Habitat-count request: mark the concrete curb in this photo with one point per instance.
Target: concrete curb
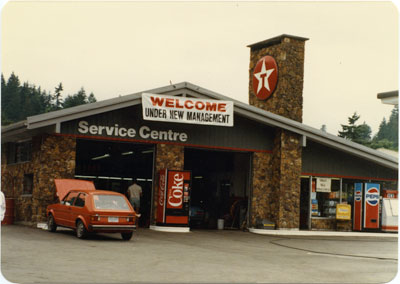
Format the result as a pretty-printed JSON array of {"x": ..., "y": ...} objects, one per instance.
[
  {"x": 321, "y": 233},
  {"x": 170, "y": 229}
]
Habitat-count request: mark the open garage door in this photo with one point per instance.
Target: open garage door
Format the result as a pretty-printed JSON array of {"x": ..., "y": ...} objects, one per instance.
[
  {"x": 220, "y": 187},
  {"x": 113, "y": 165}
]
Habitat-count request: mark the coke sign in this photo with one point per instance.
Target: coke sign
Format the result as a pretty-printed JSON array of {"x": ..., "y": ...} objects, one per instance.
[{"x": 175, "y": 190}]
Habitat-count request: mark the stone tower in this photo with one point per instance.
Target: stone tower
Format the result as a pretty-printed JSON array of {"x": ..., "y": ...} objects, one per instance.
[
  {"x": 288, "y": 52},
  {"x": 276, "y": 176}
]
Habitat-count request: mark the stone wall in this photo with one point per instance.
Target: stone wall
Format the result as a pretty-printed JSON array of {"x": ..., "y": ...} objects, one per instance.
[
  {"x": 331, "y": 224},
  {"x": 289, "y": 174},
  {"x": 261, "y": 205},
  {"x": 276, "y": 182},
  {"x": 168, "y": 156},
  {"x": 52, "y": 157}
]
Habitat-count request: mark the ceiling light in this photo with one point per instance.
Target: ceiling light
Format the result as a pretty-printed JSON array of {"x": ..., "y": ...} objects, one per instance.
[{"x": 101, "y": 157}]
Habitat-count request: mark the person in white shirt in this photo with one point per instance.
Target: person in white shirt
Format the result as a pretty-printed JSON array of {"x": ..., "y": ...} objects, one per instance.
[
  {"x": 2, "y": 205},
  {"x": 134, "y": 193}
]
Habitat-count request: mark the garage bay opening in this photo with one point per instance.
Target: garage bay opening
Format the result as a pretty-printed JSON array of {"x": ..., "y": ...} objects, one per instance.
[
  {"x": 113, "y": 166},
  {"x": 220, "y": 188}
]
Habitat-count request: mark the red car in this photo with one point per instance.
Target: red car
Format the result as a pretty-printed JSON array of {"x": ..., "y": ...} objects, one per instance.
[{"x": 85, "y": 209}]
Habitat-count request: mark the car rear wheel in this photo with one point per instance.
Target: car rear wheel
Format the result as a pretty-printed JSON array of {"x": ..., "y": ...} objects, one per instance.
[
  {"x": 51, "y": 224},
  {"x": 127, "y": 236},
  {"x": 81, "y": 232}
]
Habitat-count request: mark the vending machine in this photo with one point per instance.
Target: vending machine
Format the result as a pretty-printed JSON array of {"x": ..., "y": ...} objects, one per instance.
[
  {"x": 173, "y": 198},
  {"x": 390, "y": 211},
  {"x": 366, "y": 206}
]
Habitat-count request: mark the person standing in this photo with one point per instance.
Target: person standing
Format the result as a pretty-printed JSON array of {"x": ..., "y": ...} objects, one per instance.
[{"x": 134, "y": 193}]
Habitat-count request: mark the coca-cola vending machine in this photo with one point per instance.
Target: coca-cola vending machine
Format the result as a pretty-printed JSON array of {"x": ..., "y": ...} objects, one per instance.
[{"x": 173, "y": 197}]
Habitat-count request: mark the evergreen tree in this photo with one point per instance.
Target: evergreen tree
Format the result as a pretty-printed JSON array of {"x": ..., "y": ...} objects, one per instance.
[
  {"x": 20, "y": 101},
  {"x": 387, "y": 136},
  {"x": 79, "y": 98},
  {"x": 357, "y": 133},
  {"x": 57, "y": 96}
]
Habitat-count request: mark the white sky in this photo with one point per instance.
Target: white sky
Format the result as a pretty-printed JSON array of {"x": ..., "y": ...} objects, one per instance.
[{"x": 120, "y": 48}]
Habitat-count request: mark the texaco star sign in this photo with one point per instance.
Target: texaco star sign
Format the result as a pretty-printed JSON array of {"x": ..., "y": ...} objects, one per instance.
[{"x": 265, "y": 77}]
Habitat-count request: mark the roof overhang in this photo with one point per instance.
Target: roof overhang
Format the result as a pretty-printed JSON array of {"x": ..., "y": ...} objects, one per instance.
[
  {"x": 51, "y": 121},
  {"x": 389, "y": 98}
]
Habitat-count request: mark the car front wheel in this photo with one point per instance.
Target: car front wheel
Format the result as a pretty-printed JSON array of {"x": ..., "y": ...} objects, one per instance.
[
  {"x": 81, "y": 232},
  {"x": 127, "y": 236},
  {"x": 51, "y": 224}
]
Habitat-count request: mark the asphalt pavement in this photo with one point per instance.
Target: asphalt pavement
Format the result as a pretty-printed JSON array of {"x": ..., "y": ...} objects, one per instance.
[{"x": 31, "y": 255}]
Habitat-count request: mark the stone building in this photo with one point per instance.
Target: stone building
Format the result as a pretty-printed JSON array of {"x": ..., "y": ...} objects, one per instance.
[{"x": 268, "y": 161}]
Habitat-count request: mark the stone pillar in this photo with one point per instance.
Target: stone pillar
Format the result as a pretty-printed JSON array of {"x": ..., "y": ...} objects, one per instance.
[
  {"x": 56, "y": 159},
  {"x": 261, "y": 205},
  {"x": 276, "y": 179},
  {"x": 167, "y": 157}
]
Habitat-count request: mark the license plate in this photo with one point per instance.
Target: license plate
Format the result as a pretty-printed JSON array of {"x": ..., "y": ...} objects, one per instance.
[{"x": 113, "y": 219}]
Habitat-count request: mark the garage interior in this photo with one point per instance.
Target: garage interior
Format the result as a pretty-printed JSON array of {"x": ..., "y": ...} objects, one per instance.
[
  {"x": 220, "y": 187},
  {"x": 113, "y": 165}
]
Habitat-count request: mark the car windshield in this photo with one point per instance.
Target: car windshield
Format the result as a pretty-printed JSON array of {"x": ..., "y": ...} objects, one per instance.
[{"x": 103, "y": 201}]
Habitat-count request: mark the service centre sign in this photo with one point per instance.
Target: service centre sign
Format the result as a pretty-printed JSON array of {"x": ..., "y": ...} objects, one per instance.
[{"x": 187, "y": 110}]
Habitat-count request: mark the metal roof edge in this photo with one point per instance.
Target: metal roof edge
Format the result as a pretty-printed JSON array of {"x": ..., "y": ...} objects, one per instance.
[
  {"x": 247, "y": 110},
  {"x": 101, "y": 106},
  {"x": 14, "y": 126},
  {"x": 390, "y": 94}
]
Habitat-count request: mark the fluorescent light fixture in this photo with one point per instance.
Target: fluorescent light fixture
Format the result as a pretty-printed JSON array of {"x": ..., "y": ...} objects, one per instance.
[
  {"x": 147, "y": 151},
  {"x": 78, "y": 176},
  {"x": 127, "y": 153},
  {"x": 103, "y": 177},
  {"x": 127, "y": 178},
  {"x": 198, "y": 177},
  {"x": 117, "y": 178},
  {"x": 141, "y": 179},
  {"x": 101, "y": 157}
]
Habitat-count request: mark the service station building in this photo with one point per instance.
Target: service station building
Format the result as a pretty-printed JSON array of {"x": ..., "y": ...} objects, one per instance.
[{"x": 266, "y": 166}]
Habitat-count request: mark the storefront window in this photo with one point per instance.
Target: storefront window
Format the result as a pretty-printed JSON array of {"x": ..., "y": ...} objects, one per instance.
[
  {"x": 324, "y": 197},
  {"x": 19, "y": 152}
]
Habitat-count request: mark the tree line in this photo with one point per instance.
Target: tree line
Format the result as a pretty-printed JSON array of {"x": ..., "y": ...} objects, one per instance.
[
  {"x": 387, "y": 136},
  {"x": 20, "y": 100}
]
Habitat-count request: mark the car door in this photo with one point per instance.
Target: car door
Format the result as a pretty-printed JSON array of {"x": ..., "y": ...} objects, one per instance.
[
  {"x": 78, "y": 208},
  {"x": 67, "y": 209}
]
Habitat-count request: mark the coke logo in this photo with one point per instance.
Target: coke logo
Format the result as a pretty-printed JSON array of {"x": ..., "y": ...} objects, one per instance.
[
  {"x": 372, "y": 196},
  {"x": 162, "y": 190},
  {"x": 175, "y": 197}
]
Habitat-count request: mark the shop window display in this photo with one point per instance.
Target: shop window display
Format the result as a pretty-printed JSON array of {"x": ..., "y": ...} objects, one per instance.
[{"x": 324, "y": 197}]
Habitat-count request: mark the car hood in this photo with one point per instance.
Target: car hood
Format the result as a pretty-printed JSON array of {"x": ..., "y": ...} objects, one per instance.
[{"x": 63, "y": 186}]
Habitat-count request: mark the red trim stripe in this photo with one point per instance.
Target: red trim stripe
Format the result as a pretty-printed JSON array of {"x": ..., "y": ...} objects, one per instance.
[
  {"x": 161, "y": 142},
  {"x": 394, "y": 228},
  {"x": 349, "y": 177}
]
